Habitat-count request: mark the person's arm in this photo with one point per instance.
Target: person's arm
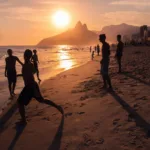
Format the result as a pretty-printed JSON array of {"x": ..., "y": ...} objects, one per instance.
[
  {"x": 19, "y": 61},
  {"x": 5, "y": 69}
]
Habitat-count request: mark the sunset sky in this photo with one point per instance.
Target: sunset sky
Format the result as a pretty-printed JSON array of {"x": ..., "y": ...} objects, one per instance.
[{"x": 26, "y": 22}]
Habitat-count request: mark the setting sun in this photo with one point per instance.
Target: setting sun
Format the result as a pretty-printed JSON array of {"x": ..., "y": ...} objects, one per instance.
[{"x": 61, "y": 19}]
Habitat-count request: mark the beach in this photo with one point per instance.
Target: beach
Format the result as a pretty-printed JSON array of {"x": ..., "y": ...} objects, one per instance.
[
  {"x": 53, "y": 60},
  {"x": 94, "y": 119}
]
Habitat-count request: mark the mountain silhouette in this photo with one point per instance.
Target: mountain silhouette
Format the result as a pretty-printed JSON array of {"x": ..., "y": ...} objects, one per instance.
[
  {"x": 79, "y": 35},
  {"x": 113, "y": 30}
]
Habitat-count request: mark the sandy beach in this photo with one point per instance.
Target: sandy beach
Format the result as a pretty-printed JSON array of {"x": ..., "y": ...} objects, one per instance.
[{"x": 94, "y": 119}]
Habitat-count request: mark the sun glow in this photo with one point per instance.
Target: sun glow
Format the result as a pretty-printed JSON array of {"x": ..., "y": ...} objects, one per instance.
[{"x": 61, "y": 19}]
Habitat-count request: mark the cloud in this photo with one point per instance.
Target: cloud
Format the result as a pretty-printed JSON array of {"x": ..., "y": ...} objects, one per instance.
[
  {"x": 62, "y": 2},
  {"x": 129, "y": 17},
  {"x": 132, "y": 2}
]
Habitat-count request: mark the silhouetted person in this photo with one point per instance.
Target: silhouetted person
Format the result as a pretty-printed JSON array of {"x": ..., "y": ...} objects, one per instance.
[
  {"x": 10, "y": 71},
  {"x": 98, "y": 49},
  {"x": 31, "y": 89},
  {"x": 119, "y": 52},
  {"x": 35, "y": 62},
  {"x": 105, "y": 61},
  {"x": 90, "y": 49},
  {"x": 92, "y": 56}
]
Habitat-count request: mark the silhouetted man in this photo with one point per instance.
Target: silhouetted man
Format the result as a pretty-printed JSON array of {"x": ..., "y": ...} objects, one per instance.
[
  {"x": 105, "y": 61},
  {"x": 31, "y": 89},
  {"x": 35, "y": 62},
  {"x": 119, "y": 52},
  {"x": 98, "y": 49},
  {"x": 10, "y": 71}
]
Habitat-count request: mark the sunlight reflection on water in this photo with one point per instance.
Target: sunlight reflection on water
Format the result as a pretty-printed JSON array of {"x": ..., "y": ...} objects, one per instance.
[{"x": 66, "y": 61}]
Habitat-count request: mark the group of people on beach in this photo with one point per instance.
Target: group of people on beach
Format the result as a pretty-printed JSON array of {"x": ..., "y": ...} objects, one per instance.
[
  {"x": 106, "y": 59},
  {"x": 96, "y": 49},
  {"x": 30, "y": 67},
  {"x": 31, "y": 89}
]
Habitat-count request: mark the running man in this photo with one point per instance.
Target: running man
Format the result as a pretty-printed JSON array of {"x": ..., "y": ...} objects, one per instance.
[
  {"x": 35, "y": 62},
  {"x": 105, "y": 61},
  {"x": 10, "y": 71},
  {"x": 31, "y": 89},
  {"x": 119, "y": 52}
]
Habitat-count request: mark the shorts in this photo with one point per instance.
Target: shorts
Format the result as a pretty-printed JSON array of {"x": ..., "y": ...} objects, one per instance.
[
  {"x": 12, "y": 76},
  {"x": 29, "y": 92},
  {"x": 105, "y": 68}
]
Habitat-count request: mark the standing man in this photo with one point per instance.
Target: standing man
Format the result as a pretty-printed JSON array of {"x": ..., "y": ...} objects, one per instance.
[
  {"x": 10, "y": 71},
  {"x": 98, "y": 49},
  {"x": 35, "y": 62},
  {"x": 119, "y": 52},
  {"x": 105, "y": 61}
]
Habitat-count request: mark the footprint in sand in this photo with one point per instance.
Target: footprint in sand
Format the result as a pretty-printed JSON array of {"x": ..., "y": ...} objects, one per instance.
[
  {"x": 82, "y": 104},
  {"x": 68, "y": 114},
  {"x": 81, "y": 113},
  {"x": 88, "y": 141},
  {"x": 115, "y": 122},
  {"x": 46, "y": 118},
  {"x": 82, "y": 98},
  {"x": 95, "y": 126}
]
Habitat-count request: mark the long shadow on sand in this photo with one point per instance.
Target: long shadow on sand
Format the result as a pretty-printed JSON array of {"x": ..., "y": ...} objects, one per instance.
[
  {"x": 135, "y": 78},
  {"x": 132, "y": 113},
  {"x": 56, "y": 143},
  {"x": 7, "y": 116},
  {"x": 19, "y": 131}
]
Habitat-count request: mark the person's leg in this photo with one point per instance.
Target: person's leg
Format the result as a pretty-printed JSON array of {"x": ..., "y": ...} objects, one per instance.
[
  {"x": 109, "y": 81},
  {"x": 119, "y": 64},
  {"x": 13, "y": 88},
  {"x": 104, "y": 81},
  {"x": 10, "y": 88},
  {"x": 120, "y": 67},
  {"x": 38, "y": 96},
  {"x": 50, "y": 103},
  {"x": 37, "y": 72}
]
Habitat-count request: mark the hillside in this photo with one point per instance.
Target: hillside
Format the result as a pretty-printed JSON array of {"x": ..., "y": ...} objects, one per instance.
[{"x": 80, "y": 35}]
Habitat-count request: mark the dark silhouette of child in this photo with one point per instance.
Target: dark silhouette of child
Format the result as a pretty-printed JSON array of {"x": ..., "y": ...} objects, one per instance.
[
  {"x": 35, "y": 62},
  {"x": 31, "y": 89},
  {"x": 92, "y": 56},
  {"x": 119, "y": 52},
  {"x": 105, "y": 61},
  {"x": 10, "y": 71}
]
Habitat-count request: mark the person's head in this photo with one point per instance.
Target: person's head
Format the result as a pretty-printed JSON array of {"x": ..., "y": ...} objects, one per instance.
[
  {"x": 119, "y": 38},
  {"x": 27, "y": 55},
  {"x": 34, "y": 51},
  {"x": 102, "y": 38},
  {"x": 9, "y": 52}
]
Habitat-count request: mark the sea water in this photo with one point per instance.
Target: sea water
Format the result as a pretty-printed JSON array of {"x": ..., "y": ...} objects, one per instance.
[{"x": 52, "y": 61}]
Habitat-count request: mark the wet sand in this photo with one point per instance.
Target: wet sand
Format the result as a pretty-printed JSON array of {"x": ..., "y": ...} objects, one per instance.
[{"x": 94, "y": 118}]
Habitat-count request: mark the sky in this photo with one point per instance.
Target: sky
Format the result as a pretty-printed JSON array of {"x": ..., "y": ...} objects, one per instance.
[{"x": 26, "y": 22}]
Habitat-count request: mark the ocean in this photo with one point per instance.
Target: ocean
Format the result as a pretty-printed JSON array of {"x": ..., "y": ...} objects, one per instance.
[{"x": 53, "y": 60}]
